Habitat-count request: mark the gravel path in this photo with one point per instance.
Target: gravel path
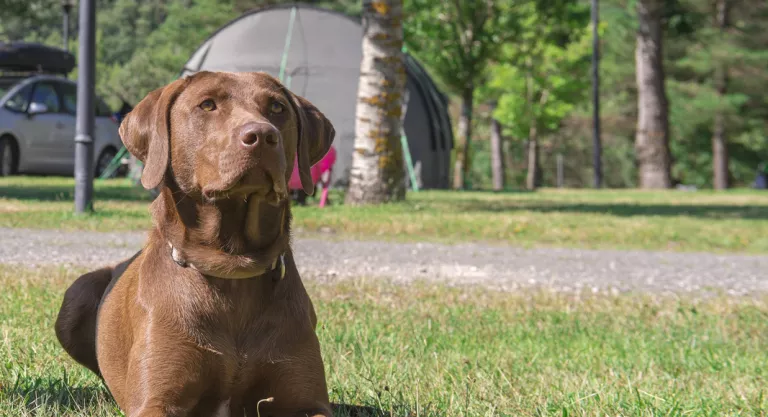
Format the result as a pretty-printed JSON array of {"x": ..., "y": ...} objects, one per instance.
[{"x": 496, "y": 267}]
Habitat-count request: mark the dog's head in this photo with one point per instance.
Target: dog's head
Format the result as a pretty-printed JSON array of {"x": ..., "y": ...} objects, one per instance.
[{"x": 219, "y": 135}]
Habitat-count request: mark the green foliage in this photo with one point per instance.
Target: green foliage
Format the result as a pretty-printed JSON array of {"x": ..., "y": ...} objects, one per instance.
[
  {"x": 351, "y": 7},
  {"x": 508, "y": 51},
  {"x": 693, "y": 61},
  {"x": 457, "y": 39},
  {"x": 165, "y": 50},
  {"x": 692, "y": 50},
  {"x": 543, "y": 75},
  {"x": 127, "y": 24}
]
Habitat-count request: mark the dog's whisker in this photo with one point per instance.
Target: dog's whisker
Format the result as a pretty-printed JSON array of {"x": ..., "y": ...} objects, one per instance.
[{"x": 258, "y": 404}]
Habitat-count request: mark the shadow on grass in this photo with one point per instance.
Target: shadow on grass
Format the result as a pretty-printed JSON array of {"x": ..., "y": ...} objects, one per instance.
[
  {"x": 65, "y": 193},
  {"x": 56, "y": 394},
  {"x": 620, "y": 209}
]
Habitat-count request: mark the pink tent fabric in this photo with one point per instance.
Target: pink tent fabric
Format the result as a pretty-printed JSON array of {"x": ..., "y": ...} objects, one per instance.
[{"x": 317, "y": 170}]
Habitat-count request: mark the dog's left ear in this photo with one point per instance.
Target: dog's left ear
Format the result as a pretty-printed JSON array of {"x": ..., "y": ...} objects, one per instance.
[{"x": 316, "y": 134}]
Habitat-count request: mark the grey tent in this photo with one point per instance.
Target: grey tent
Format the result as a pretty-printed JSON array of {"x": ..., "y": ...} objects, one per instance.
[{"x": 323, "y": 65}]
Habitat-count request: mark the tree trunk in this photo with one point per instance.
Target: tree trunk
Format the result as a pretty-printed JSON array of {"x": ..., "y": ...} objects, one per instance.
[
  {"x": 532, "y": 180},
  {"x": 497, "y": 153},
  {"x": 377, "y": 174},
  {"x": 652, "y": 137},
  {"x": 509, "y": 160},
  {"x": 461, "y": 166},
  {"x": 719, "y": 138}
]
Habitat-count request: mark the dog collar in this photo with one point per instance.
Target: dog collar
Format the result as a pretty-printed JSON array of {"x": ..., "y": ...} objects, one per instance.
[{"x": 179, "y": 260}]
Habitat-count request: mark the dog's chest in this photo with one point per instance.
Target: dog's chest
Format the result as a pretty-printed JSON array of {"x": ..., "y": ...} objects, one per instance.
[
  {"x": 244, "y": 328},
  {"x": 244, "y": 333}
]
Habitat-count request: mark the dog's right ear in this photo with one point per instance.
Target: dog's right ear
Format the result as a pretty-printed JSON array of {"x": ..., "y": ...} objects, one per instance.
[
  {"x": 146, "y": 131},
  {"x": 316, "y": 134}
]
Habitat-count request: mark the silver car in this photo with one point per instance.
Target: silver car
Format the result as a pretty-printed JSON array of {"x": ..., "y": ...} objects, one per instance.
[{"x": 37, "y": 127}]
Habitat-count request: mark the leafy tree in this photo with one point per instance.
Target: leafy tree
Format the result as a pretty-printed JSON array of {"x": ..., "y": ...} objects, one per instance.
[
  {"x": 719, "y": 84},
  {"x": 377, "y": 174},
  {"x": 31, "y": 20},
  {"x": 351, "y": 7},
  {"x": 125, "y": 26},
  {"x": 165, "y": 50},
  {"x": 543, "y": 75},
  {"x": 456, "y": 39}
]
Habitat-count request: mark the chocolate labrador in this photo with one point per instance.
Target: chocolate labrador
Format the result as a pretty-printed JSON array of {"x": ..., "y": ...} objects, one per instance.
[{"x": 210, "y": 318}]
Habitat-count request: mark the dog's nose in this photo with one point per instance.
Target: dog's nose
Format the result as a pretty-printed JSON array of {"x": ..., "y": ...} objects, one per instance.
[{"x": 257, "y": 134}]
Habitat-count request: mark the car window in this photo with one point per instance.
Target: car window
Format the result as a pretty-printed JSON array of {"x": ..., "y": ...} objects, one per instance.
[
  {"x": 45, "y": 93},
  {"x": 20, "y": 100},
  {"x": 68, "y": 97},
  {"x": 69, "y": 101}
]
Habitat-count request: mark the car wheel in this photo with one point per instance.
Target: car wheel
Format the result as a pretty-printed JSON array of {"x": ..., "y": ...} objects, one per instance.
[
  {"x": 8, "y": 159},
  {"x": 107, "y": 155}
]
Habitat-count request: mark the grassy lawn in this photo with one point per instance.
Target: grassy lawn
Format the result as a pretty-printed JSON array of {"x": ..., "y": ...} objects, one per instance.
[
  {"x": 432, "y": 351},
  {"x": 734, "y": 221}
]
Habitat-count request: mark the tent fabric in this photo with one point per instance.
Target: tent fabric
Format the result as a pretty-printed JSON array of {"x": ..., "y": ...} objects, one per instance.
[{"x": 323, "y": 65}]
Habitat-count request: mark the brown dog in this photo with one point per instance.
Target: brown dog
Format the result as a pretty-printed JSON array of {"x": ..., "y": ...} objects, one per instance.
[{"x": 210, "y": 317}]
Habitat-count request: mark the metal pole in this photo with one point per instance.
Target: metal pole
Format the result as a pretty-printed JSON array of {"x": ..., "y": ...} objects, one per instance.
[
  {"x": 597, "y": 146},
  {"x": 560, "y": 170},
  {"x": 86, "y": 68},
  {"x": 66, "y": 8}
]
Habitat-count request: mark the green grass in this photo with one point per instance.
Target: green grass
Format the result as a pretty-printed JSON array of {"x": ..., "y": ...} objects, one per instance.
[
  {"x": 432, "y": 351},
  {"x": 733, "y": 221}
]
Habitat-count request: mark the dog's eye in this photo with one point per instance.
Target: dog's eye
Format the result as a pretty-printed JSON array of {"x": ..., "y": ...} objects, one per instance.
[
  {"x": 276, "y": 108},
  {"x": 208, "y": 105}
]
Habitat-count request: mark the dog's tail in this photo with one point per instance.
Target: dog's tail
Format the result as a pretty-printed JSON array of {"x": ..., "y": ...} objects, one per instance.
[{"x": 76, "y": 323}]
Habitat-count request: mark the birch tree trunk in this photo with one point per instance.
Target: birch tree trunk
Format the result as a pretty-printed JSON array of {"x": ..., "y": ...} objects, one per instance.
[
  {"x": 461, "y": 166},
  {"x": 652, "y": 137},
  {"x": 719, "y": 138},
  {"x": 497, "y": 153},
  {"x": 377, "y": 173}
]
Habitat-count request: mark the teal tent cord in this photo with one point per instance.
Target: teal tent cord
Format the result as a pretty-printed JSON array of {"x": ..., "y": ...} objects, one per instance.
[
  {"x": 114, "y": 164},
  {"x": 286, "y": 48},
  {"x": 409, "y": 163},
  {"x": 407, "y": 150}
]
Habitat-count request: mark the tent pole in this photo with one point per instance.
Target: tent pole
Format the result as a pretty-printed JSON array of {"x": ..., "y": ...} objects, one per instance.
[
  {"x": 114, "y": 164},
  {"x": 404, "y": 139},
  {"x": 409, "y": 162},
  {"x": 287, "y": 47}
]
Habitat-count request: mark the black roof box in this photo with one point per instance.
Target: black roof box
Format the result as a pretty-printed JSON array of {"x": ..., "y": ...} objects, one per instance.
[{"x": 35, "y": 57}]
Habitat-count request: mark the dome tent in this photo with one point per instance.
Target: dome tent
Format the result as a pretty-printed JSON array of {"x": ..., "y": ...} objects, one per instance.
[{"x": 322, "y": 63}]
